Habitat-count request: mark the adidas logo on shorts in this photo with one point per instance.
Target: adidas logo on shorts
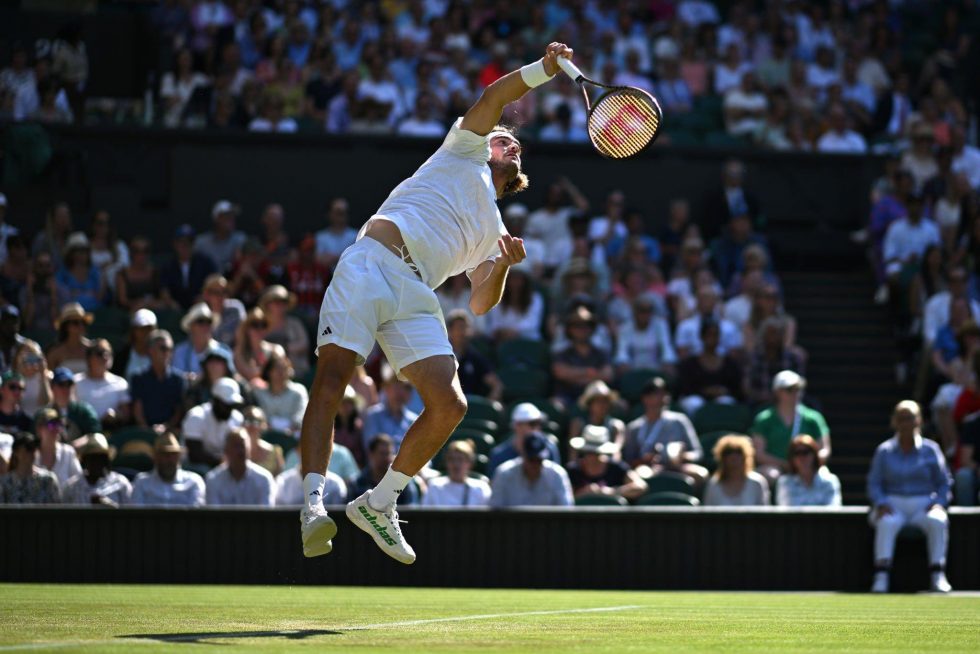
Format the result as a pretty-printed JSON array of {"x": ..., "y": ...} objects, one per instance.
[{"x": 326, "y": 331}]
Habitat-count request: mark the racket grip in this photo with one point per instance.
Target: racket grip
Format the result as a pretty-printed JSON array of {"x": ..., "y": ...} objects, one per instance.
[{"x": 570, "y": 69}]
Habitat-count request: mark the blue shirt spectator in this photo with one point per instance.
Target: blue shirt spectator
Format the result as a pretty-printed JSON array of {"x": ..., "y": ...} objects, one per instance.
[
  {"x": 921, "y": 471},
  {"x": 158, "y": 393},
  {"x": 390, "y": 416},
  {"x": 824, "y": 490},
  {"x": 507, "y": 451}
]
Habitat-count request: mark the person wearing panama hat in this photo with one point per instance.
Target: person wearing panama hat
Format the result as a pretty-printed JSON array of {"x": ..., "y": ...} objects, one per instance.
[
  {"x": 168, "y": 484},
  {"x": 596, "y": 403},
  {"x": 78, "y": 278},
  {"x": 285, "y": 329},
  {"x": 594, "y": 472},
  {"x": 72, "y": 343},
  {"x": 97, "y": 484},
  {"x": 199, "y": 323}
]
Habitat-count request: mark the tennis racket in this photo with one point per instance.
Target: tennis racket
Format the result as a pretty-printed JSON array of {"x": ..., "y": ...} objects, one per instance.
[{"x": 624, "y": 119}]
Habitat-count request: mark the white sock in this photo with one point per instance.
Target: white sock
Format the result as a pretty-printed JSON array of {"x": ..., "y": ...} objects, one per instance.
[
  {"x": 313, "y": 488},
  {"x": 386, "y": 493}
]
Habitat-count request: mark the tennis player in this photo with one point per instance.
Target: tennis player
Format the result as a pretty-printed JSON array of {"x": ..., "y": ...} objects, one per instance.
[{"x": 438, "y": 223}]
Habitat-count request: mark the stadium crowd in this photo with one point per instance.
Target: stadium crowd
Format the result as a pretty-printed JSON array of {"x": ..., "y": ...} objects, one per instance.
[{"x": 835, "y": 76}]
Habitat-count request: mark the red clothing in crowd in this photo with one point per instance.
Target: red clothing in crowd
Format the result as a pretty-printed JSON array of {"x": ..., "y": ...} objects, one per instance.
[{"x": 308, "y": 281}]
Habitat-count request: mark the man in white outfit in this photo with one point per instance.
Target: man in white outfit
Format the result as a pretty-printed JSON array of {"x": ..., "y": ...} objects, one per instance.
[{"x": 440, "y": 222}]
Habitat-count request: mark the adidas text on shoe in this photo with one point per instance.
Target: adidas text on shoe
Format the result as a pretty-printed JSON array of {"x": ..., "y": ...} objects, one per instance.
[{"x": 383, "y": 527}]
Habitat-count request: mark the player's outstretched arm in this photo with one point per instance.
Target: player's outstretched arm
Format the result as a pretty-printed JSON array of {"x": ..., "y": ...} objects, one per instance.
[{"x": 483, "y": 115}]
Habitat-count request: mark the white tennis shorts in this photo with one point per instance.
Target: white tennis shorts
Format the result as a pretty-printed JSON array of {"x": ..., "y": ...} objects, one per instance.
[{"x": 375, "y": 296}]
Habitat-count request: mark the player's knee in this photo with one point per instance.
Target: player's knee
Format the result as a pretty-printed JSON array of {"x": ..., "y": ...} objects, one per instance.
[
  {"x": 450, "y": 405},
  {"x": 328, "y": 387}
]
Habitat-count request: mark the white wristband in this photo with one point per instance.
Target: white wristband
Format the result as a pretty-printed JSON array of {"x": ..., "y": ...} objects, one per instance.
[{"x": 534, "y": 74}]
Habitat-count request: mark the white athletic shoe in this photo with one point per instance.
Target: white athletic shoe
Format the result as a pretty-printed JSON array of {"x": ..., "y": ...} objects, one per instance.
[
  {"x": 383, "y": 528},
  {"x": 939, "y": 583},
  {"x": 318, "y": 529},
  {"x": 880, "y": 584}
]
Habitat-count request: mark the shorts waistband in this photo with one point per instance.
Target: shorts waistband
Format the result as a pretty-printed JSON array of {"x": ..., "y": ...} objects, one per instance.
[{"x": 391, "y": 255}]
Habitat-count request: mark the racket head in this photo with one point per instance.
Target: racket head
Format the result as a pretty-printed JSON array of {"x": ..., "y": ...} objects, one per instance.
[{"x": 624, "y": 121}]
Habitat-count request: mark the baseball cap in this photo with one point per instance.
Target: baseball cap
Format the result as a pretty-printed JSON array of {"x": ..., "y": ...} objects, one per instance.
[
  {"x": 222, "y": 206},
  {"x": 535, "y": 446},
  {"x": 526, "y": 412},
  {"x": 654, "y": 385},
  {"x": 144, "y": 318},
  {"x": 62, "y": 375},
  {"x": 515, "y": 211},
  {"x": 184, "y": 231},
  {"x": 11, "y": 375},
  {"x": 227, "y": 390},
  {"x": 787, "y": 379},
  {"x": 219, "y": 353}
]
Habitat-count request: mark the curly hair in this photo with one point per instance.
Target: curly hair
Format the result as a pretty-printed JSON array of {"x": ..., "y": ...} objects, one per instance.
[{"x": 521, "y": 182}]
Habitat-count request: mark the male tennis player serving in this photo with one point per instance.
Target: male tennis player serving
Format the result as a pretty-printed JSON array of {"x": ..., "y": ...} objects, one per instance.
[{"x": 440, "y": 222}]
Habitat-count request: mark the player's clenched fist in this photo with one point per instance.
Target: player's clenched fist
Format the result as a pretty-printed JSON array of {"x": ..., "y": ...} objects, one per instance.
[
  {"x": 511, "y": 250},
  {"x": 551, "y": 53}
]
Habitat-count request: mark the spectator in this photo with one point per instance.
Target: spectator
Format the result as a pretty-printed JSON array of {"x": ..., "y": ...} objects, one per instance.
[
  {"x": 735, "y": 483},
  {"x": 531, "y": 479},
  {"x": 177, "y": 87},
  {"x": 30, "y": 364},
  {"x": 594, "y": 472},
  {"x": 422, "y": 122},
  {"x": 12, "y": 416},
  {"x": 283, "y": 400},
  {"x": 840, "y": 138},
  {"x": 79, "y": 280},
  {"x": 40, "y": 297},
  {"x": 70, "y": 350},
  {"x": 765, "y": 305},
  {"x": 580, "y": 362},
  {"x": 380, "y": 455},
  {"x": 15, "y": 262},
  {"x": 550, "y": 223},
  {"x": 262, "y": 452},
  {"x": 476, "y": 375},
  {"x": 732, "y": 199},
  {"x": 215, "y": 365},
  {"x": 808, "y": 482},
  {"x": 562, "y": 129},
  {"x": 53, "y": 453},
  {"x": 745, "y": 106},
  {"x": 688, "y": 339},
  {"x": 239, "y": 481},
  {"x": 26, "y": 483},
  {"x": 199, "y": 325},
  {"x": 10, "y": 339},
  {"x": 521, "y": 311},
  {"x": 229, "y": 310},
  {"x": 348, "y": 427},
  {"x": 596, "y": 404},
  {"x": 907, "y": 239},
  {"x": 307, "y": 277},
  {"x": 663, "y": 439},
  {"x": 709, "y": 376},
  {"x": 457, "y": 487},
  {"x": 644, "y": 341},
  {"x": 730, "y": 71},
  {"x": 186, "y": 272},
  {"x": 252, "y": 351},
  {"x": 391, "y": 416},
  {"x": 109, "y": 252},
  {"x": 337, "y": 236},
  {"x": 770, "y": 355},
  {"x": 135, "y": 356},
  {"x": 138, "y": 284},
  {"x": 206, "y": 425},
  {"x": 919, "y": 159},
  {"x": 158, "y": 393},
  {"x": 737, "y": 243},
  {"x": 908, "y": 484},
  {"x": 53, "y": 238},
  {"x": 285, "y": 329},
  {"x": 289, "y": 489},
  {"x": 525, "y": 419},
  {"x": 938, "y": 309},
  {"x": 966, "y": 158},
  {"x": 272, "y": 116},
  {"x": 223, "y": 242},
  {"x": 97, "y": 484},
  {"x": 168, "y": 484},
  {"x": 107, "y": 393},
  {"x": 775, "y": 428},
  {"x": 672, "y": 90},
  {"x": 79, "y": 416}
]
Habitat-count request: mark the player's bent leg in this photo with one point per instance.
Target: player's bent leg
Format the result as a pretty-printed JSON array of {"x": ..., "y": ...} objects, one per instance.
[
  {"x": 335, "y": 367},
  {"x": 445, "y": 405}
]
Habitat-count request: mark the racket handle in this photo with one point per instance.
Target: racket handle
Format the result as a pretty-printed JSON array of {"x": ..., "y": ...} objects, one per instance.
[{"x": 570, "y": 69}]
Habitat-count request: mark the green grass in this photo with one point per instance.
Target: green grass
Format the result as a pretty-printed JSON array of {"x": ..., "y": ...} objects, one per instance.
[{"x": 339, "y": 619}]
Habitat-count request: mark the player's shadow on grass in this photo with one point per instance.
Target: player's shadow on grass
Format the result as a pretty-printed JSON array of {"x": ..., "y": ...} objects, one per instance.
[{"x": 203, "y": 637}]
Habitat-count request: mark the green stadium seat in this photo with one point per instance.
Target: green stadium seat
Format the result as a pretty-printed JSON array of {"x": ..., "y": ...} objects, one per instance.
[
  {"x": 169, "y": 319},
  {"x": 600, "y": 500},
  {"x": 198, "y": 468},
  {"x": 521, "y": 353},
  {"x": 522, "y": 383},
  {"x": 488, "y": 426},
  {"x": 482, "y": 442},
  {"x": 284, "y": 440},
  {"x": 133, "y": 461},
  {"x": 109, "y": 320},
  {"x": 630, "y": 383},
  {"x": 667, "y": 498},
  {"x": 667, "y": 482},
  {"x": 482, "y": 408},
  {"x": 43, "y": 337},
  {"x": 713, "y": 417},
  {"x": 683, "y": 137},
  {"x": 722, "y": 139},
  {"x": 120, "y": 437},
  {"x": 484, "y": 346}
]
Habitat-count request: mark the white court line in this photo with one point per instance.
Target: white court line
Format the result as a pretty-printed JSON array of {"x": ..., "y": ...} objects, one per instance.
[{"x": 178, "y": 638}]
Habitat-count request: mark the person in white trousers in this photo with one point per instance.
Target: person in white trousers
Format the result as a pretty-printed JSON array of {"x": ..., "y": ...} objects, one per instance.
[{"x": 909, "y": 484}]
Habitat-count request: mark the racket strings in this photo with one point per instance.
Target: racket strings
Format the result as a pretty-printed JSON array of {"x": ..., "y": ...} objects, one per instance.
[{"x": 623, "y": 123}]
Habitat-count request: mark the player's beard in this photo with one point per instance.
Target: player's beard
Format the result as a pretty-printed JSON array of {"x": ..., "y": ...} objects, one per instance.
[{"x": 516, "y": 180}]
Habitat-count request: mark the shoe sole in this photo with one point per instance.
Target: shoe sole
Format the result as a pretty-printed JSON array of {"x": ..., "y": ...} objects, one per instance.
[
  {"x": 317, "y": 542},
  {"x": 363, "y": 525}
]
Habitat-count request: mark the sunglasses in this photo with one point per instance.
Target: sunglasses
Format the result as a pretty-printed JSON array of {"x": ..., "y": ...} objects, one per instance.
[
  {"x": 252, "y": 422},
  {"x": 33, "y": 360},
  {"x": 15, "y": 388},
  {"x": 53, "y": 424}
]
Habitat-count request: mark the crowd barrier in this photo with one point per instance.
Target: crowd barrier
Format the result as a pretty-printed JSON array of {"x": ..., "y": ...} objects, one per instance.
[{"x": 655, "y": 548}]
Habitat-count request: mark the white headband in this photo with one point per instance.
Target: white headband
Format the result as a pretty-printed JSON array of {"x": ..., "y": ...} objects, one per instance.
[{"x": 492, "y": 135}]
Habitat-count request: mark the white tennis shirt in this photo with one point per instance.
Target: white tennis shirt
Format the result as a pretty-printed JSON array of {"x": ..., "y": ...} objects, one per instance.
[{"x": 447, "y": 211}]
